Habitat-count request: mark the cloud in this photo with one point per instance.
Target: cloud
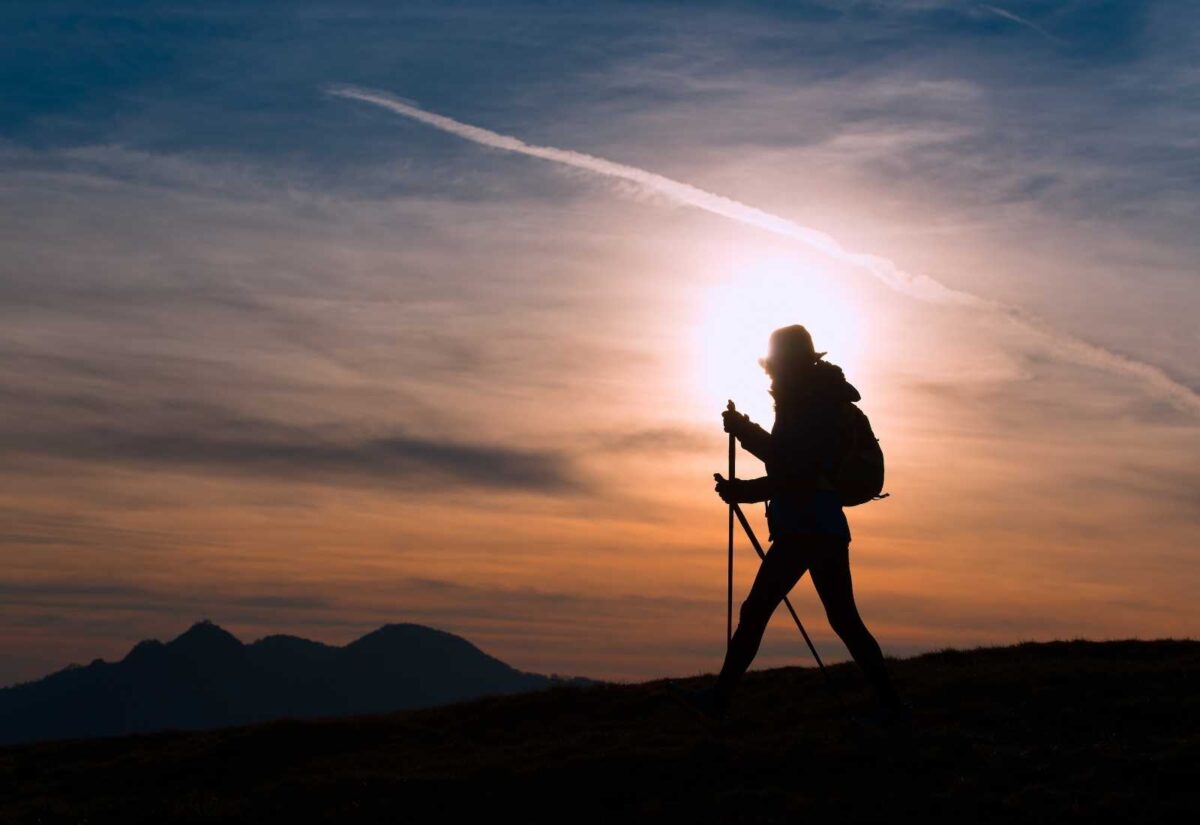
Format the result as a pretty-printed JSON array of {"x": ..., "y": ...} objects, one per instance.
[
  {"x": 914, "y": 285},
  {"x": 13, "y": 592},
  {"x": 68, "y": 596},
  {"x": 532, "y": 597},
  {"x": 657, "y": 440},
  {"x": 290, "y": 453},
  {"x": 40, "y": 527},
  {"x": 1021, "y": 21},
  {"x": 83, "y": 595}
]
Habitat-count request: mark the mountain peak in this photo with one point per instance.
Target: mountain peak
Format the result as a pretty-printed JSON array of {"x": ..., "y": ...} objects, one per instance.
[
  {"x": 407, "y": 634},
  {"x": 144, "y": 650},
  {"x": 405, "y": 628},
  {"x": 204, "y": 637}
]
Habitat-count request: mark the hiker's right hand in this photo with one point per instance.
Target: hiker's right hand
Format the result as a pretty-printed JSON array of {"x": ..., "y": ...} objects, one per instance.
[{"x": 735, "y": 422}]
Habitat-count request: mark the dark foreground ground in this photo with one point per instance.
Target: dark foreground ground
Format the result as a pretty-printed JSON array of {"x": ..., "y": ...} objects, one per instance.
[{"x": 1037, "y": 732}]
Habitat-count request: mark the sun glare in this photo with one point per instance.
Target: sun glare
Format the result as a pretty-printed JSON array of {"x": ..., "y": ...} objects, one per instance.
[{"x": 738, "y": 315}]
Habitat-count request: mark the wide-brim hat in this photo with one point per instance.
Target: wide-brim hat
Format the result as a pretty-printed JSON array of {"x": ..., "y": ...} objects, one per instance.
[{"x": 792, "y": 344}]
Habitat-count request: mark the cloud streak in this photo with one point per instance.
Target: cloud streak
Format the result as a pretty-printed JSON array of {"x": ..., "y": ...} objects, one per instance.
[
  {"x": 1021, "y": 21},
  {"x": 289, "y": 453},
  {"x": 920, "y": 287}
]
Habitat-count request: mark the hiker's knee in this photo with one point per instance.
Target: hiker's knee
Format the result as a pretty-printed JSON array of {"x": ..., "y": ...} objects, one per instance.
[
  {"x": 756, "y": 610},
  {"x": 846, "y": 622}
]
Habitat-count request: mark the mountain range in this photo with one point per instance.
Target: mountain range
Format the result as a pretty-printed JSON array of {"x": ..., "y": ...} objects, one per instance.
[{"x": 207, "y": 678}]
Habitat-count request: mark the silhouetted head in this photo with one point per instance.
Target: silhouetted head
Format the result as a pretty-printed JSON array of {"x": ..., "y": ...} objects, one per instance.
[
  {"x": 790, "y": 362},
  {"x": 791, "y": 350}
]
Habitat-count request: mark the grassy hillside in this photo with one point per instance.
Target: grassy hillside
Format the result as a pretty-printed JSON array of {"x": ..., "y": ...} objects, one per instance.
[{"x": 1066, "y": 730}]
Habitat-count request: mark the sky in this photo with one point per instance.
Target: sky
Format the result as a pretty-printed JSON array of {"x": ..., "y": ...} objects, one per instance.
[{"x": 317, "y": 317}]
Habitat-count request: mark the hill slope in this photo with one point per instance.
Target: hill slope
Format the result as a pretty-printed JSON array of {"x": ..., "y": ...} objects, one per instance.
[
  {"x": 206, "y": 678},
  {"x": 1066, "y": 730}
]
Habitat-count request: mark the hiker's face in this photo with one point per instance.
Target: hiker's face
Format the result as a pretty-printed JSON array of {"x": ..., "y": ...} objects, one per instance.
[{"x": 785, "y": 370}]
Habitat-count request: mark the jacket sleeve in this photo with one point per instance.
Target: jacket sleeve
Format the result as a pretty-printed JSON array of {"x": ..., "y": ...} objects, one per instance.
[
  {"x": 756, "y": 489},
  {"x": 755, "y": 440}
]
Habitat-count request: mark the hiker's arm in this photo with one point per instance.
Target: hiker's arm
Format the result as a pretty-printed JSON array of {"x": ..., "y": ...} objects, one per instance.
[
  {"x": 744, "y": 490},
  {"x": 753, "y": 438}
]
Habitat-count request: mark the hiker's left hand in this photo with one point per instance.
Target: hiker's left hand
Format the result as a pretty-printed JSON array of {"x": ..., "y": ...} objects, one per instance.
[
  {"x": 735, "y": 422},
  {"x": 730, "y": 490}
]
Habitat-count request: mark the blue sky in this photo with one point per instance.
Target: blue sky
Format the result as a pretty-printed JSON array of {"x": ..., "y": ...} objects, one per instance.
[{"x": 265, "y": 349}]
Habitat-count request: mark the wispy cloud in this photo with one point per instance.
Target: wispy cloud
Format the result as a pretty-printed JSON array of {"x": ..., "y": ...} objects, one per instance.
[
  {"x": 656, "y": 441},
  {"x": 1021, "y": 21},
  {"x": 290, "y": 453},
  {"x": 886, "y": 271},
  {"x": 918, "y": 286}
]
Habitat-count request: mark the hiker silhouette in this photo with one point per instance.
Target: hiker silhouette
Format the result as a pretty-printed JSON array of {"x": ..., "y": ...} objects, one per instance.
[{"x": 808, "y": 528}]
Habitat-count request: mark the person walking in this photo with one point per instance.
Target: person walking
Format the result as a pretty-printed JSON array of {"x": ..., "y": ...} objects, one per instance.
[{"x": 808, "y": 529}]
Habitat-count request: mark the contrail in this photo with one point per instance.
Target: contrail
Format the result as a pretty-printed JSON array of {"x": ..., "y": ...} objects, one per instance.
[
  {"x": 917, "y": 286},
  {"x": 1021, "y": 21}
]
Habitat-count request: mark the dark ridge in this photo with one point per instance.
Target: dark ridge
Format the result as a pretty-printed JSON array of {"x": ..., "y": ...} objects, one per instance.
[{"x": 1060, "y": 732}]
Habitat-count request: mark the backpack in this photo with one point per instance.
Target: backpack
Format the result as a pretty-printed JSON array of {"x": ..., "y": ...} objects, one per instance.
[{"x": 859, "y": 477}]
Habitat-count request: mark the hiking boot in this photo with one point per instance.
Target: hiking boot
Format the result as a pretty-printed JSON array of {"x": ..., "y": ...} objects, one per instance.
[{"x": 706, "y": 702}]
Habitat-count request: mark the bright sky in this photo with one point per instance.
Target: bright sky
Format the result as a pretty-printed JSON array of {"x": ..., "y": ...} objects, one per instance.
[{"x": 299, "y": 363}]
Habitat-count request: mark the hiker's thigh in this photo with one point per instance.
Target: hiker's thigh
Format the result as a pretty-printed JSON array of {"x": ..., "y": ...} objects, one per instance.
[
  {"x": 785, "y": 562},
  {"x": 831, "y": 578}
]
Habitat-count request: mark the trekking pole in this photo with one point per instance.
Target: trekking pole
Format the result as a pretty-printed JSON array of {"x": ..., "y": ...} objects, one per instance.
[{"x": 729, "y": 609}]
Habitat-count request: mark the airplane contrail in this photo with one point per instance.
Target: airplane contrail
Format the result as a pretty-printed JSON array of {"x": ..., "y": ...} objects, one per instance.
[
  {"x": 1021, "y": 21},
  {"x": 917, "y": 286}
]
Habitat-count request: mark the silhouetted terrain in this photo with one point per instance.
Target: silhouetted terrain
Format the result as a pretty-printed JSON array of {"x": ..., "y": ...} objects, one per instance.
[
  {"x": 1075, "y": 731},
  {"x": 206, "y": 678}
]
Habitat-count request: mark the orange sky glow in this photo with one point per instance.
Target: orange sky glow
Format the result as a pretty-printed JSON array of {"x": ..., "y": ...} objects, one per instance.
[{"x": 299, "y": 364}]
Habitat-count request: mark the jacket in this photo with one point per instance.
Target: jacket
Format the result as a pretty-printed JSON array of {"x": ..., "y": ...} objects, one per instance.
[{"x": 801, "y": 453}]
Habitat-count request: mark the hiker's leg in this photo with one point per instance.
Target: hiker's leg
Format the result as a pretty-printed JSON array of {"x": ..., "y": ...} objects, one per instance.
[
  {"x": 785, "y": 563},
  {"x": 831, "y": 578}
]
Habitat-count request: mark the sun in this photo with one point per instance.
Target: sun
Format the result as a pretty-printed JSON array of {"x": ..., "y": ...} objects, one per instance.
[{"x": 738, "y": 314}]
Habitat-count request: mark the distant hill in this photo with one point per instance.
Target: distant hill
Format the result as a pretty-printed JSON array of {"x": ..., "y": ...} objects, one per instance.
[
  {"x": 1058, "y": 732},
  {"x": 206, "y": 678}
]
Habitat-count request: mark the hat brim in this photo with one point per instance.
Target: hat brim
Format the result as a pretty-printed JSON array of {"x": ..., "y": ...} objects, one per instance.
[{"x": 817, "y": 356}]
